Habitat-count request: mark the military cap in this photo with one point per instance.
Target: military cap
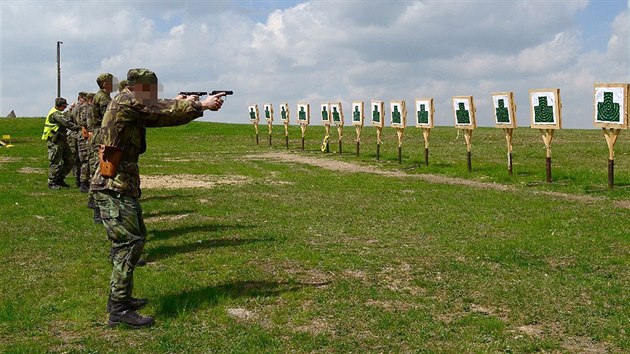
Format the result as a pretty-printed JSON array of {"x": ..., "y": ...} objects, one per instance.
[
  {"x": 122, "y": 84},
  {"x": 60, "y": 101},
  {"x": 141, "y": 76},
  {"x": 82, "y": 94},
  {"x": 103, "y": 77}
]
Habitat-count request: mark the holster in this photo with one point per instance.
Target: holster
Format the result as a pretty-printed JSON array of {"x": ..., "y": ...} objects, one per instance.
[
  {"x": 84, "y": 133},
  {"x": 109, "y": 158}
]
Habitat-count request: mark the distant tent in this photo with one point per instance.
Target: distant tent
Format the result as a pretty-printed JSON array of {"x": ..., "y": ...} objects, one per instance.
[{"x": 12, "y": 114}]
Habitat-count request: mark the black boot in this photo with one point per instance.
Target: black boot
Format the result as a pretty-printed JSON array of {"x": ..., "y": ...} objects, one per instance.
[
  {"x": 84, "y": 187},
  {"x": 53, "y": 185},
  {"x": 62, "y": 183},
  {"x": 133, "y": 304},
  {"x": 97, "y": 216},
  {"x": 121, "y": 313}
]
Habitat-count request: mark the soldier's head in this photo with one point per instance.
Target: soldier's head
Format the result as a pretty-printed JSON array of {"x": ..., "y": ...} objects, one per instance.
[
  {"x": 144, "y": 85},
  {"x": 89, "y": 97},
  {"x": 61, "y": 103},
  {"x": 82, "y": 96},
  {"x": 105, "y": 81},
  {"x": 121, "y": 85}
]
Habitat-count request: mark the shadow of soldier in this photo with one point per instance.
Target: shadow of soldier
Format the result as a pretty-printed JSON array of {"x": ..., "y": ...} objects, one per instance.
[
  {"x": 179, "y": 303},
  {"x": 155, "y": 235},
  {"x": 161, "y": 252}
]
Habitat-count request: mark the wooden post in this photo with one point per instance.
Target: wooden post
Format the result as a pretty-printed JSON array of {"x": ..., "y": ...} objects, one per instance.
[
  {"x": 358, "y": 130},
  {"x": 508, "y": 139},
  {"x": 303, "y": 128},
  {"x": 340, "y": 134},
  {"x": 547, "y": 136},
  {"x": 269, "y": 126},
  {"x": 425, "y": 135},
  {"x": 468, "y": 137},
  {"x": 379, "y": 131},
  {"x": 399, "y": 132},
  {"x": 286, "y": 133},
  {"x": 611, "y": 136},
  {"x": 256, "y": 128}
]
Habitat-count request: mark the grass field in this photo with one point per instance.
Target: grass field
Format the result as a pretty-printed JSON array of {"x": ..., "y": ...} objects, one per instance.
[{"x": 268, "y": 249}]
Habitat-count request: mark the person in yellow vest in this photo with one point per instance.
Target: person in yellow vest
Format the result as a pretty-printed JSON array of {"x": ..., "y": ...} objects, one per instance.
[{"x": 59, "y": 155}]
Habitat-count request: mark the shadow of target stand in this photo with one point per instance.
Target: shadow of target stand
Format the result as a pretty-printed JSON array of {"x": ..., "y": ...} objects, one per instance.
[{"x": 611, "y": 114}]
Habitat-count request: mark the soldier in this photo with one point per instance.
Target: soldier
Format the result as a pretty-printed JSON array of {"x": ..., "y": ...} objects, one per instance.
[
  {"x": 121, "y": 85},
  {"x": 59, "y": 156},
  {"x": 84, "y": 115},
  {"x": 102, "y": 98},
  {"x": 73, "y": 137},
  {"x": 116, "y": 182}
]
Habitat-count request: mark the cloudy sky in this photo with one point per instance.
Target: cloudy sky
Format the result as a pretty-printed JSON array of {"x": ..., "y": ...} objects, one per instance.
[{"x": 320, "y": 51}]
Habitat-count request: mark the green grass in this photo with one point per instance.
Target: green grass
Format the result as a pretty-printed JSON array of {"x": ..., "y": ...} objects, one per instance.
[{"x": 297, "y": 258}]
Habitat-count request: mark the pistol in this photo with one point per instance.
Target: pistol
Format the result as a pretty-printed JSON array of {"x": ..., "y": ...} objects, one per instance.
[{"x": 203, "y": 93}]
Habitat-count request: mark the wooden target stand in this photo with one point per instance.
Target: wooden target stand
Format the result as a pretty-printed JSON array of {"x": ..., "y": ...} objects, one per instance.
[
  {"x": 254, "y": 117},
  {"x": 378, "y": 121},
  {"x": 398, "y": 111},
  {"x": 338, "y": 119},
  {"x": 465, "y": 119},
  {"x": 268, "y": 109},
  {"x": 284, "y": 114},
  {"x": 546, "y": 116},
  {"x": 357, "y": 121},
  {"x": 611, "y": 114},
  {"x": 424, "y": 119},
  {"x": 304, "y": 118},
  {"x": 325, "y": 112},
  {"x": 505, "y": 118}
]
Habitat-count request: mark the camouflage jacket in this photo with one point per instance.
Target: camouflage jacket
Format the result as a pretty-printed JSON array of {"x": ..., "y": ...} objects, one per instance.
[
  {"x": 72, "y": 114},
  {"x": 124, "y": 127},
  {"x": 65, "y": 123},
  {"x": 84, "y": 114},
  {"x": 99, "y": 106}
]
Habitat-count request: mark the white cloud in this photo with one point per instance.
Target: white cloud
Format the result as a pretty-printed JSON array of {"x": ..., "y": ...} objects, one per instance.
[{"x": 316, "y": 50}]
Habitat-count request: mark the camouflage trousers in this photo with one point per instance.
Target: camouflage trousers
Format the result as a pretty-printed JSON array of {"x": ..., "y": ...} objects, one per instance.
[
  {"x": 74, "y": 150},
  {"x": 84, "y": 158},
  {"x": 122, "y": 218},
  {"x": 60, "y": 160}
]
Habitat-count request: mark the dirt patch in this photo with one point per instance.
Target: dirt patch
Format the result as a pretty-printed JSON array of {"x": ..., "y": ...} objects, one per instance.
[
  {"x": 32, "y": 170},
  {"x": 241, "y": 314},
  {"x": 190, "y": 181},
  {"x": 534, "y": 330},
  {"x": 348, "y": 167},
  {"x": 4, "y": 159},
  {"x": 316, "y": 327},
  {"x": 584, "y": 345}
]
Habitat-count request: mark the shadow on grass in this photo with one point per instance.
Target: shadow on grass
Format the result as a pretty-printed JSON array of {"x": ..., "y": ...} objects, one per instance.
[
  {"x": 161, "y": 252},
  {"x": 156, "y": 235},
  {"x": 167, "y": 212},
  {"x": 174, "y": 304}
]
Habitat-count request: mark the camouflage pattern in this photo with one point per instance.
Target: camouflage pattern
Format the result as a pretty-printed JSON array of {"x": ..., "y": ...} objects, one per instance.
[
  {"x": 73, "y": 138},
  {"x": 59, "y": 155},
  {"x": 122, "y": 218},
  {"x": 84, "y": 114},
  {"x": 124, "y": 126}
]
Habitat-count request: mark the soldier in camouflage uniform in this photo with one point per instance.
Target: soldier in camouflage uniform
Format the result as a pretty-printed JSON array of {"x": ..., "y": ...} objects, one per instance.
[
  {"x": 102, "y": 98},
  {"x": 123, "y": 134},
  {"x": 121, "y": 85},
  {"x": 73, "y": 137},
  {"x": 84, "y": 115},
  {"x": 55, "y": 128}
]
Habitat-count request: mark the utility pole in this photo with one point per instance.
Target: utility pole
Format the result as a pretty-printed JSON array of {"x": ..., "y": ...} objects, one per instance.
[{"x": 59, "y": 68}]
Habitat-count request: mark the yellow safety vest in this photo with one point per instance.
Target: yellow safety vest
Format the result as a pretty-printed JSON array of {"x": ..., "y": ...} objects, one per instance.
[{"x": 50, "y": 128}]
